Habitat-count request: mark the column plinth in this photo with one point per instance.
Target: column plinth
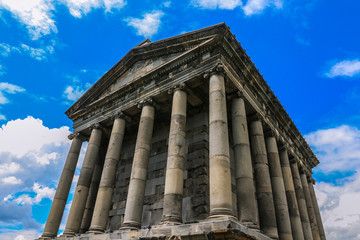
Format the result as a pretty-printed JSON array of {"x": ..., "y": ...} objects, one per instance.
[
  {"x": 104, "y": 196},
  {"x": 174, "y": 180},
  {"x": 301, "y": 201},
  {"x": 245, "y": 188},
  {"x": 82, "y": 189},
  {"x": 62, "y": 191},
  {"x": 219, "y": 157},
  {"x": 277, "y": 183},
  {"x": 295, "y": 220},
  {"x": 136, "y": 192},
  {"x": 310, "y": 208},
  {"x": 263, "y": 183}
]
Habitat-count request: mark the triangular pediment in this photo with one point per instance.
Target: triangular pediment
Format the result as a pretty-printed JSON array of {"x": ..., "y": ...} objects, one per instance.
[{"x": 143, "y": 59}]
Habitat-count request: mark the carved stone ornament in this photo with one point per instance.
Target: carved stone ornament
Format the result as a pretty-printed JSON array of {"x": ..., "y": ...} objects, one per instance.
[
  {"x": 181, "y": 86},
  {"x": 78, "y": 135},
  {"x": 146, "y": 102},
  {"x": 119, "y": 114}
]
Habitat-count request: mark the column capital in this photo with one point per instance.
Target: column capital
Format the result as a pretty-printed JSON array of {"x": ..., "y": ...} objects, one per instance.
[
  {"x": 217, "y": 69},
  {"x": 176, "y": 87},
  {"x": 256, "y": 117},
  {"x": 148, "y": 102},
  {"x": 78, "y": 135}
]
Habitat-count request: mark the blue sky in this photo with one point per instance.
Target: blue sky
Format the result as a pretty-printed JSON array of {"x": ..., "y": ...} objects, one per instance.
[{"x": 52, "y": 51}]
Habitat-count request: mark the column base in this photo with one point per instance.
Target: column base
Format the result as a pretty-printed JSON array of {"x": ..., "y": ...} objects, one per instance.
[
  {"x": 222, "y": 217},
  {"x": 130, "y": 225},
  {"x": 68, "y": 234},
  {"x": 251, "y": 225},
  {"x": 171, "y": 220},
  {"x": 96, "y": 230}
]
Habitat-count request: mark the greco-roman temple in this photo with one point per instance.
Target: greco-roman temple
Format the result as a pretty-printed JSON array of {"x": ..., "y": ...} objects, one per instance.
[{"x": 186, "y": 141}]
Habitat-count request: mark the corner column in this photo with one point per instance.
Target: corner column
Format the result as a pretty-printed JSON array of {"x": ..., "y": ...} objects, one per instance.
[
  {"x": 301, "y": 201},
  {"x": 245, "y": 188},
  {"x": 317, "y": 210},
  {"x": 295, "y": 221},
  {"x": 104, "y": 196},
  {"x": 135, "y": 197},
  {"x": 219, "y": 159},
  {"x": 174, "y": 180},
  {"x": 82, "y": 189},
  {"x": 310, "y": 207},
  {"x": 277, "y": 183},
  {"x": 62, "y": 191},
  {"x": 263, "y": 183}
]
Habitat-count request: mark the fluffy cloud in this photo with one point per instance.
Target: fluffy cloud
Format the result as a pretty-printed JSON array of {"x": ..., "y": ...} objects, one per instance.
[
  {"x": 8, "y": 88},
  {"x": 257, "y": 6},
  {"x": 72, "y": 93},
  {"x": 213, "y": 4},
  {"x": 38, "y": 53},
  {"x": 345, "y": 68},
  {"x": 35, "y": 14},
  {"x": 338, "y": 150},
  {"x": 31, "y": 159},
  {"x": 79, "y": 8},
  {"x": 148, "y": 25}
]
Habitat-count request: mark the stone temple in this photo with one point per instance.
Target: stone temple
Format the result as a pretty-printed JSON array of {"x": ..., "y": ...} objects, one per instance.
[{"x": 186, "y": 141}]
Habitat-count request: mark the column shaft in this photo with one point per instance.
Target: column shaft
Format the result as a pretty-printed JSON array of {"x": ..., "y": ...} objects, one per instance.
[
  {"x": 317, "y": 212},
  {"x": 295, "y": 220},
  {"x": 104, "y": 196},
  {"x": 135, "y": 197},
  {"x": 94, "y": 187},
  {"x": 277, "y": 183},
  {"x": 263, "y": 182},
  {"x": 62, "y": 191},
  {"x": 219, "y": 159},
  {"x": 82, "y": 189},
  {"x": 174, "y": 180},
  {"x": 310, "y": 208},
  {"x": 245, "y": 188},
  {"x": 301, "y": 201}
]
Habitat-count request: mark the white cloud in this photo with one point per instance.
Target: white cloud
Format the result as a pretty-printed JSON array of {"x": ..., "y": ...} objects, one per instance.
[
  {"x": 19, "y": 235},
  {"x": 6, "y": 49},
  {"x": 167, "y": 4},
  {"x": 9, "y": 168},
  {"x": 8, "y": 88},
  {"x": 11, "y": 180},
  {"x": 35, "y": 14},
  {"x": 42, "y": 192},
  {"x": 73, "y": 93},
  {"x": 38, "y": 53},
  {"x": 337, "y": 148},
  {"x": 79, "y": 8},
  {"x": 148, "y": 25},
  {"x": 258, "y": 6},
  {"x": 214, "y": 4},
  {"x": 346, "y": 68}
]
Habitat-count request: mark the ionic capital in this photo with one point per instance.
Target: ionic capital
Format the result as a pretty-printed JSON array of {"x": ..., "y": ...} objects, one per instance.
[
  {"x": 181, "y": 87},
  {"x": 256, "y": 117},
  {"x": 217, "y": 69},
  {"x": 146, "y": 102},
  {"x": 78, "y": 135}
]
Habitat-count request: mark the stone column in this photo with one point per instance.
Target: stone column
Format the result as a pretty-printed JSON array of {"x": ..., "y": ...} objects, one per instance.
[
  {"x": 301, "y": 201},
  {"x": 82, "y": 189},
  {"x": 317, "y": 211},
  {"x": 135, "y": 197},
  {"x": 263, "y": 182},
  {"x": 174, "y": 180},
  {"x": 104, "y": 196},
  {"x": 245, "y": 188},
  {"x": 62, "y": 191},
  {"x": 310, "y": 207},
  {"x": 219, "y": 159},
  {"x": 295, "y": 220},
  {"x": 277, "y": 183},
  {"x": 94, "y": 187}
]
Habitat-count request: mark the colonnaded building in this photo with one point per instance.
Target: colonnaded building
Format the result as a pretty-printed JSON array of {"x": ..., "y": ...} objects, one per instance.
[{"x": 186, "y": 141}]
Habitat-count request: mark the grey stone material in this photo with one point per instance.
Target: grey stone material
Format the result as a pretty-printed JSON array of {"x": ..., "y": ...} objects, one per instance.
[
  {"x": 277, "y": 183},
  {"x": 263, "y": 182},
  {"x": 135, "y": 197},
  {"x": 105, "y": 194},
  {"x": 245, "y": 188},
  {"x": 82, "y": 189},
  {"x": 310, "y": 207},
  {"x": 219, "y": 156},
  {"x": 317, "y": 211},
  {"x": 295, "y": 220},
  {"x": 301, "y": 201},
  {"x": 57, "y": 208}
]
